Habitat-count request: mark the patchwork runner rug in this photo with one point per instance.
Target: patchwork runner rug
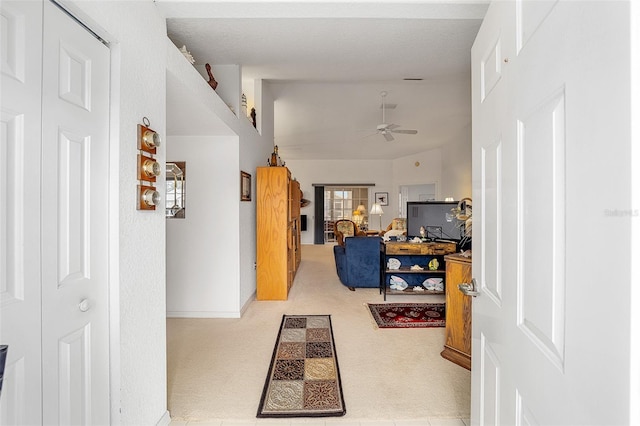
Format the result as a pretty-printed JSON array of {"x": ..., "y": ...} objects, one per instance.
[
  {"x": 303, "y": 379},
  {"x": 408, "y": 315}
]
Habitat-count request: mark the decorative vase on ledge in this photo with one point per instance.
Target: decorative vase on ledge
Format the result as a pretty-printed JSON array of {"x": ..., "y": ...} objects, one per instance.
[{"x": 212, "y": 81}]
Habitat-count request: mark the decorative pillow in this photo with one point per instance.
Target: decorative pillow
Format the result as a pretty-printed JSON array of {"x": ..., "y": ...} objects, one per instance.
[
  {"x": 398, "y": 224},
  {"x": 346, "y": 228}
]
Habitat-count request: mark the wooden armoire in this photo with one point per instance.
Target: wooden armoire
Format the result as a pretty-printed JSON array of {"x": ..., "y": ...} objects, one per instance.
[{"x": 278, "y": 232}]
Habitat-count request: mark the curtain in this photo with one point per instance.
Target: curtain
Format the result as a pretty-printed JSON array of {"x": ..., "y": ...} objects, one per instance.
[{"x": 318, "y": 211}]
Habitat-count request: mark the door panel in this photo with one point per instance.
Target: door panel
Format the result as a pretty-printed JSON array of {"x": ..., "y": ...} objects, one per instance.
[
  {"x": 74, "y": 366},
  {"x": 490, "y": 238},
  {"x": 73, "y": 189},
  {"x": 20, "y": 132},
  {"x": 75, "y": 298},
  {"x": 489, "y": 381},
  {"x": 493, "y": 243},
  {"x": 541, "y": 290},
  {"x": 529, "y": 16},
  {"x": 551, "y": 131}
]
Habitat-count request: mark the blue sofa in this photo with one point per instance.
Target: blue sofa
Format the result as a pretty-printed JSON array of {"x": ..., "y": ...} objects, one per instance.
[{"x": 358, "y": 262}]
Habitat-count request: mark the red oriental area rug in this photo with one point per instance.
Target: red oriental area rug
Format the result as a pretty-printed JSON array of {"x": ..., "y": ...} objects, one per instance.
[{"x": 408, "y": 315}]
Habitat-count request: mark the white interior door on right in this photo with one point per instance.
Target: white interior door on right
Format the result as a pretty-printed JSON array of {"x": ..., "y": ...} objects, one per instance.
[{"x": 551, "y": 133}]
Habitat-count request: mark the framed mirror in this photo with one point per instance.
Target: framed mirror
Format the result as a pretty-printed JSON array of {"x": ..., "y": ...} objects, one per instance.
[{"x": 175, "y": 190}]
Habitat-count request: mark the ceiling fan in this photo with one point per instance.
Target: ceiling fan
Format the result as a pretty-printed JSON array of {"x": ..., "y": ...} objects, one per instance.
[{"x": 386, "y": 130}]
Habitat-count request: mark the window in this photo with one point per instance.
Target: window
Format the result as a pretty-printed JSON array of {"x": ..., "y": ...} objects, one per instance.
[{"x": 339, "y": 203}]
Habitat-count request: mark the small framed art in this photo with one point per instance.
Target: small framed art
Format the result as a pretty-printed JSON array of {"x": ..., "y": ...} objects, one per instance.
[
  {"x": 382, "y": 198},
  {"x": 245, "y": 186}
]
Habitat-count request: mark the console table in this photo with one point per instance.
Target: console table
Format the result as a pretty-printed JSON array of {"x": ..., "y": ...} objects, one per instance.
[{"x": 410, "y": 254}]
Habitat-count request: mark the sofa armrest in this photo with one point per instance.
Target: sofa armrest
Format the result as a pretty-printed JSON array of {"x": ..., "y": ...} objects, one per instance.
[
  {"x": 363, "y": 261},
  {"x": 341, "y": 263}
]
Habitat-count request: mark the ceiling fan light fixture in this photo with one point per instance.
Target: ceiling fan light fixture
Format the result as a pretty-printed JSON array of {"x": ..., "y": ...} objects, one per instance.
[{"x": 386, "y": 129}]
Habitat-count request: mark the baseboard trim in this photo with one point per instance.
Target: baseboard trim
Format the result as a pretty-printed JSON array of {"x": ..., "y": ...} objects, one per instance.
[
  {"x": 165, "y": 419},
  {"x": 202, "y": 314},
  {"x": 212, "y": 314},
  {"x": 247, "y": 303}
]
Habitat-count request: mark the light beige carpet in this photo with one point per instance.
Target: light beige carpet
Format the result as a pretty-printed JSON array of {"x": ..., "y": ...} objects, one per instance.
[{"x": 217, "y": 367}]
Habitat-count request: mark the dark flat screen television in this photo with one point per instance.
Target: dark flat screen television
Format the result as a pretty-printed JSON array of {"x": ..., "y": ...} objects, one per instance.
[{"x": 437, "y": 218}]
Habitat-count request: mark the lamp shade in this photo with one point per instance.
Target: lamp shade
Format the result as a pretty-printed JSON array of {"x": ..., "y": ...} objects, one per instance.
[
  {"x": 357, "y": 217},
  {"x": 376, "y": 208},
  {"x": 361, "y": 208}
]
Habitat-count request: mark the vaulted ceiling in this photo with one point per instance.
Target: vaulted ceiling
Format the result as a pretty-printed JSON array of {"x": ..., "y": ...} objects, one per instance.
[{"x": 327, "y": 64}]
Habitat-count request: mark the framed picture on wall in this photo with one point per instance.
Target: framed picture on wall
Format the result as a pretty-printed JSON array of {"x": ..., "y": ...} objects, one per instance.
[
  {"x": 382, "y": 198},
  {"x": 245, "y": 186}
]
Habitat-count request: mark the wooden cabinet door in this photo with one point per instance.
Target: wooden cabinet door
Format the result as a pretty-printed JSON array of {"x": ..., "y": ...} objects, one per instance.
[
  {"x": 458, "y": 329},
  {"x": 272, "y": 240}
]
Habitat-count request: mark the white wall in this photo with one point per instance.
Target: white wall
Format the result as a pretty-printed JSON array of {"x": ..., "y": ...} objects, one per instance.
[
  {"x": 203, "y": 272},
  {"x": 456, "y": 166},
  {"x": 254, "y": 150},
  {"x": 138, "y": 352},
  {"x": 425, "y": 167},
  {"x": 212, "y": 252},
  {"x": 229, "y": 84}
]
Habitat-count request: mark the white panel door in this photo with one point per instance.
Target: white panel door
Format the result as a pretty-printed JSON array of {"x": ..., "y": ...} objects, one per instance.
[
  {"x": 494, "y": 195},
  {"x": 551, "y": 127},
  {"x": 20, "y": 210},
  {"x": 75, "y": 297}
]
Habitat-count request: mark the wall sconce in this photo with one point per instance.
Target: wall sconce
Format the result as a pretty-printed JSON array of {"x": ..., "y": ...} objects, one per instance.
[{"x": 148, "y": 168}]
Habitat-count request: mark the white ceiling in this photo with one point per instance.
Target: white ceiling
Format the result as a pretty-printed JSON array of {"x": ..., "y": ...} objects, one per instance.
[{"x": 328, "y": 62}]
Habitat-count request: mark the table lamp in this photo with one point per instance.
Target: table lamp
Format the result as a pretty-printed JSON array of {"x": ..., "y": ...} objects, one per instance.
[
  {"x": 357, "y": 217},
  {"x": 376, "y": 208}
]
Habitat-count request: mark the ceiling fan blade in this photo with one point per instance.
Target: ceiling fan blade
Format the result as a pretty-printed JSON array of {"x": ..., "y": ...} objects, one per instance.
[
  {"x": 406, "y": 132},
  {"x": 392, "y": 126},
  {"x": 368, "y": 135},
  {"x": 388, "y": 136}
]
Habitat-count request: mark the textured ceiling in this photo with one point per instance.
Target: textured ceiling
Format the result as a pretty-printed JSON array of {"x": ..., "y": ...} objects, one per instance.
[{"x": 328, "y": 62}]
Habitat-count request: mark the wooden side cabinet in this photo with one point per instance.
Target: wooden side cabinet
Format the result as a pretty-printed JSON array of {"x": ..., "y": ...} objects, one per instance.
[
  {"x": 277, "y": 232},
  {"x": 457, "y": 346}
]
